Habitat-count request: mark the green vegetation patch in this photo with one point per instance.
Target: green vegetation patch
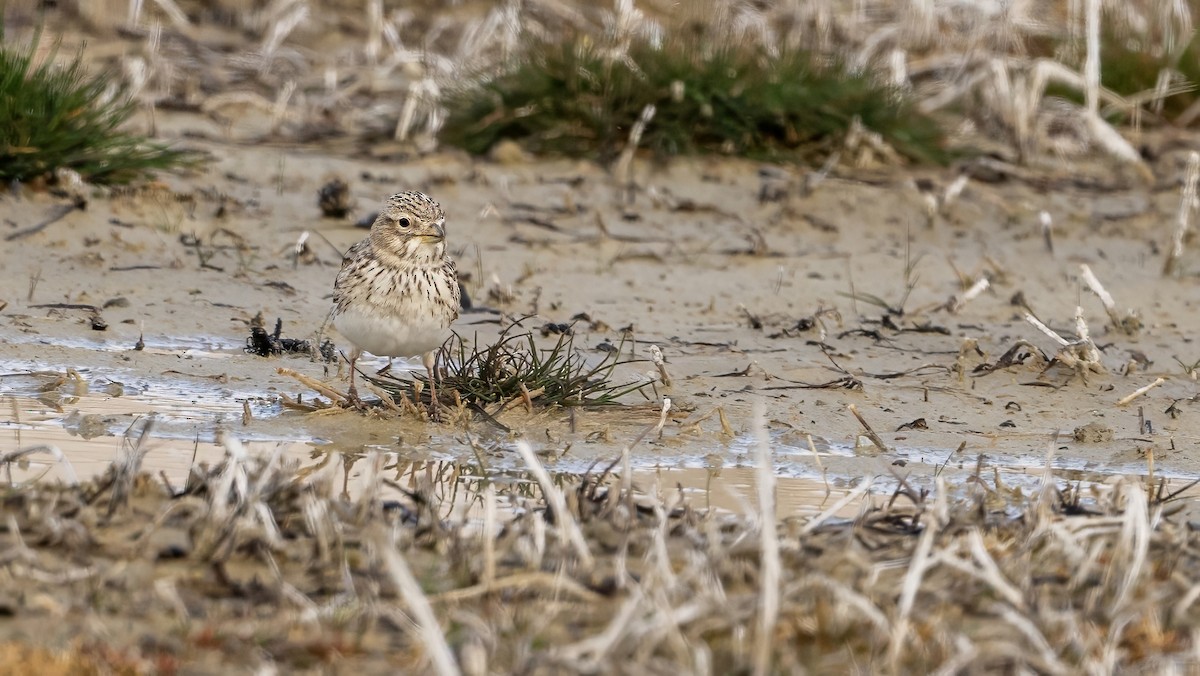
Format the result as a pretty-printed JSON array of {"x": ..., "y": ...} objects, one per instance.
[
  {"x": 1130, "y": 66},
  {"x": 573, "y": 99},
  {"x": 58, "y": 116},
  {"x": 1128, "y": 70},
  {"x": 515, "y": 366}
]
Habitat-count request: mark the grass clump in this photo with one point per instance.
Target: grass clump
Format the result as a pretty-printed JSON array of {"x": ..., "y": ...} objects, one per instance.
[
  {"x": 572, "y": 98},
  {"x": 515, "y": 367},
  {"x": 1130, "y": 67},
  {"x": 58, "y": 116}
]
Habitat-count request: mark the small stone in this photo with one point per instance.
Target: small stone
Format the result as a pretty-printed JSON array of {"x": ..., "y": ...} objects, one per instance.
[{"x": 1093, "y": 433}]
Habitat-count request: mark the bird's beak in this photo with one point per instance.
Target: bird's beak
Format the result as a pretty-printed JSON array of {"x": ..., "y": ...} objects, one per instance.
[{"x": 438, "y": 235}]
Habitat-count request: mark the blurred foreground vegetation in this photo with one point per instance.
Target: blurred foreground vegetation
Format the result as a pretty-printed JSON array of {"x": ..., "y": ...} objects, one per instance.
[
  {"x": 573, "y": 98},
  {"x": 58, "y": 116}
]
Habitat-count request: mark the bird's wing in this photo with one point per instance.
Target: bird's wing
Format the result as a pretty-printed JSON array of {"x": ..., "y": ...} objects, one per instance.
[
  {"x": 455, "y": 290},
  {"x": 355, "y": 253}
]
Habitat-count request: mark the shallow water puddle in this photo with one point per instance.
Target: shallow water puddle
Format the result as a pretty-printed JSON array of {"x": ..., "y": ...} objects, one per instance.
[
  {"x": 90, "y": 405},
  {"x": 90, "y": 416},
  {"x": 86, "y": 458},
  {"x": 213, "y": 347},
  {"x": 735, "y": 489}
]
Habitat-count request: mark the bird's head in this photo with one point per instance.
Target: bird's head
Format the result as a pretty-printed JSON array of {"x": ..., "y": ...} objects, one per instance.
[{"x": 412, "y": 226}]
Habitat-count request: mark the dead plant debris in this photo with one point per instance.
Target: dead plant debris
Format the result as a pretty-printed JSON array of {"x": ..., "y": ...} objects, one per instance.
[
  {"x": 273, "y": 344},
  {"x": 334, "y": 200},
  {"x": 267, "y": 563}
]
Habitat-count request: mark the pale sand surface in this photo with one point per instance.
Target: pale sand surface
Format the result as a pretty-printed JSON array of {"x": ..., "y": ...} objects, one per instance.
[{"x": 678, "y": 265}]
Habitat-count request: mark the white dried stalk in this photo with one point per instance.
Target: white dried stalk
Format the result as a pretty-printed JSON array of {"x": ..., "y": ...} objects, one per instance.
[
  {"x": 1089, "y": 353},
  {"x": 231, "y": 484},
  {"x": 331, "y": 82},
  {"x": 374, "y": 31},
  {"x": 1162, "y": 89},
  {"x": 422, "y": 93},
  {"x": 991, "y": 571},
  {"x": 660, "y": 363},
  {"x": 1134, "y": 541},
  {"x": 954, "y": 190},
  {"x": 538, "y": 540},
  {"x": 1047, "y": 224},
  {"x": 489, "y": 535},
  {"x": 214, "y": 104},
  {"x": 1046, "y": 72},
  {"x": 137, "y": 74},
  {"x": 407, "y": 114},
  {"x": 1046, "y": 330},
  {"x": 1176, "y": 18},
  {"x": 921, "y": 20},
  {"x": 846, "y": 596},
  {"x": 862, "y": 59},
  {"x": 166, "y": 591},
  {"x": 623, "y": 171},
  {"x": 908, "y": 590},
  {"x": 1140, "y": 391},
  {"x": 591, "y": 651},
  {"x": 836, "y": 507},
  {"x": 301, "y": 242},
  {"x": 627, "y": 451},
  {"x": 814, "y": 179},
  {"x": 662, "y": 556},
  {"x": 1106, "y": 299},
  {"x": 898, "y": 68},
  {"x": 568, "y": 527},
  {"x": 281, "y": 28},
  {"x": 1108, "y": 138},
  {"x": 1034, "y": 635},
  {"x": 427, "y": 624},
  {"x": 1091, "y": 66},
  {"x": 135, "y": 13},
  {"x": 981, "y": 285},
  {"x": 176, "y": 15},
  {"x": 317, "y": 519},
  {"x": 1179, "y": 611},
  {"x": 931, "y": 208},
  {"x": 72, "y": 479},
  {"x": 768, "y": 599},
  {"x": 954, "y": 91},
  {"x": 1183, "y": 221},
  {"x": 279, "y": 108}
]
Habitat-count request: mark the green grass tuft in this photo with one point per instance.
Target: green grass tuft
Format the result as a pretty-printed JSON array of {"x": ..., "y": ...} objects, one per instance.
[
  {"x": 1127, "y": 70},
  {"x": 58, "y": 116},
  {"x": 567, "y": 98},
  {"x": 515, "y": 365},
  {"x": 1129, "y": 66}
]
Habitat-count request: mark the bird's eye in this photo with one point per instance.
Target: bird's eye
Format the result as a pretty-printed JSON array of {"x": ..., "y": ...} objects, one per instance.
[{"x": 404, "y": 222}]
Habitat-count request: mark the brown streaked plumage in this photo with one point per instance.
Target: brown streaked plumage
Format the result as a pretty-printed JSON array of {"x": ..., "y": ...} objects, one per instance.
[{"x": 397, "y": 291}]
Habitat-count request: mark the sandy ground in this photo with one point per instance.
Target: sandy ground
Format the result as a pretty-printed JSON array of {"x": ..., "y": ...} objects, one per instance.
[{"x": 725, "y": 283}]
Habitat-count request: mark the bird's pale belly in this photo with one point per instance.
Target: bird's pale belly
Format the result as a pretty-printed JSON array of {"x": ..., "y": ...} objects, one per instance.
[{"x": 390, "y": 336}]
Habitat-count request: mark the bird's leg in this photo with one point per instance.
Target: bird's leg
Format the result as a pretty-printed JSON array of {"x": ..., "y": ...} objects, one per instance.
[
  {"x": 352, "y": 394},
  {"x": 430, "y": 361}
]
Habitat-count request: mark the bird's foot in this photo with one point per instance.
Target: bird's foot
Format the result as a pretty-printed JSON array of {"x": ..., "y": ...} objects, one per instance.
[
  {"x": 434, "y": 410},
  {"x": 353, "y": 401}
]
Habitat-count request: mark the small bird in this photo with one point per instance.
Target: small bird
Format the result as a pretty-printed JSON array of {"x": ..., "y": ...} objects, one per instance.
[{"x": 397, "y": 291}]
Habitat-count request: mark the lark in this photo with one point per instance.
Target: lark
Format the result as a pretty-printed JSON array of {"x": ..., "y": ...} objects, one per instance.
[{"x": 397, "y": 291}]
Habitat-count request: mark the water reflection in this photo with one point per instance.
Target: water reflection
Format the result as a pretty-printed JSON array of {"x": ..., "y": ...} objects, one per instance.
[{"x": 88, "y": 419}]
